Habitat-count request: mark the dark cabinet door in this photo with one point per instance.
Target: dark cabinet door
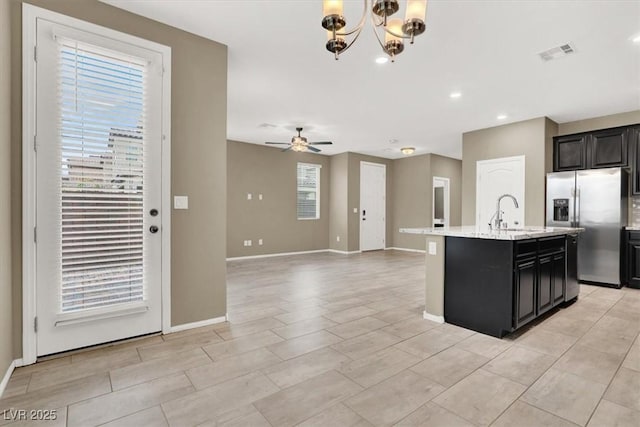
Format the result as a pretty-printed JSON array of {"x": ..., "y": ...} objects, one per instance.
[
  {"x": 634, "y": 143},
  {"x": 569, "y": 152},
  {"x": 559, "y": 278},
  {"x": 633, "y": 263},
  {"x": 609, "y": 148},
  {"x": 525, "y": 284},
  {"x": 545, "y": 283}
]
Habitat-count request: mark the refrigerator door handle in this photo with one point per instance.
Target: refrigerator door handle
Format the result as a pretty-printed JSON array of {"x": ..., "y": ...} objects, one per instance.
[{"x": 577, "y": 207}]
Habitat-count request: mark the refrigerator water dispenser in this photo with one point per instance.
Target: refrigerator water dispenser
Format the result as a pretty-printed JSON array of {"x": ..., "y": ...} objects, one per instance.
[{"x": 561, "y": 209}]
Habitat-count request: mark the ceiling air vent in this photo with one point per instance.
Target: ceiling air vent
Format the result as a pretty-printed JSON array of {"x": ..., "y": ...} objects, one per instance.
[{"x": 557, "y": 52}]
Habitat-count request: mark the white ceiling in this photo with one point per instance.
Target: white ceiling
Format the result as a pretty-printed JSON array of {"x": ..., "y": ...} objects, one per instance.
[{"x": 280, "y": 73}]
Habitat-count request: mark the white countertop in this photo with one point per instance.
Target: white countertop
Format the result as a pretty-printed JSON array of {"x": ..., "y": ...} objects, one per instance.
[
  {"x": 503, "y": 234},
  {"x": 632, "y": 227}
]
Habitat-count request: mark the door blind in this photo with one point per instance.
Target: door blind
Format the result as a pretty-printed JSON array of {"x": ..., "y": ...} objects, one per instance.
[{"x": 101, "y": 99}]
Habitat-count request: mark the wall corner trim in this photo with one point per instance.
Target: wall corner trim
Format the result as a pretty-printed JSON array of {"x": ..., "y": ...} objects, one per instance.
[
  {"x": 199, "y": 324},
  {"x": 433, "y": 318},
  {"x": 5, "y": 380},
  {"x": 420, "y": 251}
]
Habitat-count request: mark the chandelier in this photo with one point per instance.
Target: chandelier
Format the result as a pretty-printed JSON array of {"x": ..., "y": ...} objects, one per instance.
[{"x": 395, "y": 30}]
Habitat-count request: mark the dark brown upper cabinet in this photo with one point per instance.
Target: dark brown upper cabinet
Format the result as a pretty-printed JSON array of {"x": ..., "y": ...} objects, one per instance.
[
  {"x": 569, "y": 152},
  {"x": 609, "y": 148},
  {"x": 604, "y": 148},
  {"x": 634, "y": 149}
]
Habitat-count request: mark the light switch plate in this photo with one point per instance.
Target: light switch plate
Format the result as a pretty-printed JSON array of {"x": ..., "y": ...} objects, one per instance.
[
  {"x": 180, "y": 202},
  {"x": 355, "y": 210},
  {"x": 249, "y": 196},
  {"x": 432, "y": 248}
]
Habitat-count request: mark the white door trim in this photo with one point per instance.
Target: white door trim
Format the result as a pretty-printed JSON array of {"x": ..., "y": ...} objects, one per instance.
[
  {"x": 384, "y": 185},
  {"x": 521, "y": 159},
  {"x": 29, "y": 16}
]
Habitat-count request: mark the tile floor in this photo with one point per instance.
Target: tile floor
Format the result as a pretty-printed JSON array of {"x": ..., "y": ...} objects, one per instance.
[{"x": 332, "y": 340}]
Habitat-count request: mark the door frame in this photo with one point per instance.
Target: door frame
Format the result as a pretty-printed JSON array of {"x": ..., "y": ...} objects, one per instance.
[
  {"x": 522, "y": 160},
  {"x": 30, "y": 14},
  {"x": 384, "y": 196},
  {"x": 446, "y": 199}
]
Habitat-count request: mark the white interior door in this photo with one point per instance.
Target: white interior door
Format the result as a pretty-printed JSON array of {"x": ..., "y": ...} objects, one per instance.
[
  {"x": 372, "y": 206},
  {"x": 98, "y": 185},
  {"x": 496, "y": 177}
]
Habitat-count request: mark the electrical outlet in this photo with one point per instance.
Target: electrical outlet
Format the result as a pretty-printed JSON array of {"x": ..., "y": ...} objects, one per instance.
[
  {"x": 337, "y": 238},
  {"x": 259, "y": 196},
  {"x": 260, "y": 242},
  {"x": 249, "y": 196},
  {"x": 355, "y": 210}
]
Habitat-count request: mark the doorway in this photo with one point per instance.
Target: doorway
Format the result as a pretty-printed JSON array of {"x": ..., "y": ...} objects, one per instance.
[
  {"x": 372, "y": 206},
  {"x": 97, "y": 188},
  {"x": 440, "y": 202},
  {"x": 494, "y": 178}
]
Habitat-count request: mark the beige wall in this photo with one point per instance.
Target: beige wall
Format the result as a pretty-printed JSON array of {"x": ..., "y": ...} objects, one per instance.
[
  {"x": 412, "y": 195},
  {"x": 522, "y": 138},
  {"x": 198, "y": 135},
  {"x": 6, "y": 327},
  {"x": 410, "y": 199},
  {"x": 339, "y": 203},
  {"x": 595, "y": 123},
  {"x": 268, "y": 171}
]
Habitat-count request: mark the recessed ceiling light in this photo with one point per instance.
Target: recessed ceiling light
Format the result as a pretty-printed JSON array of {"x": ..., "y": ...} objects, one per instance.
[
  {"x": 501, "y": 116},
  {"x": 382, "y": 60},
  {"x": 455, "y": 94}
]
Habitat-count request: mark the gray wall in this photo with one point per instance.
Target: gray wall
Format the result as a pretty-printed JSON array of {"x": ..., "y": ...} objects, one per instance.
[
  {"x": 339, "y": 203},
  {"x": 6, "y": 324},
  {"x": 595, "y": 123},
  {"x": 411, "y": 199},
  {"x": 522, "y": 138},
  {"x": 268, "y": 171},
  {"x": 198, "y": 136},
  {"x": 412, "y": 196}
]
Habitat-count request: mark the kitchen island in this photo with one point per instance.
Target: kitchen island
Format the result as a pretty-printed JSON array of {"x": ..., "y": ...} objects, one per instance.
[{"x": 496, "y": 281}]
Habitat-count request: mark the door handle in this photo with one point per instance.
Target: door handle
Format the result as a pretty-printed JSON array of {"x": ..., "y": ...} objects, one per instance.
[
  {"x": 578, "y": 207},
  {"x": 153, "y": 229}
]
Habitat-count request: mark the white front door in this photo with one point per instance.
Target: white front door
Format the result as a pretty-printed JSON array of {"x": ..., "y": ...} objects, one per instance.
[
  {"x": 98, "y": 185},
  {"x": 372, "y": 206},
  {"x": 496, "y": 177}
]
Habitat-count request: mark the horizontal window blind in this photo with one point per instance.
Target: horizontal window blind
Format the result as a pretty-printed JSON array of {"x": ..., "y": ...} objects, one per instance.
[
  {"x": 101, "y": 99},
  {"x": 308, "y": 200}
]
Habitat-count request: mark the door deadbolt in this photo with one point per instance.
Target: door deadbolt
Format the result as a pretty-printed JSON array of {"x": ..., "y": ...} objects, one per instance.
[{"x": 154, "y": 229}]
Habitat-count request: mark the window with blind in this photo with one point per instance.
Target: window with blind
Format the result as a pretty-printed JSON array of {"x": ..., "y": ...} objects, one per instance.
[
  {"x": 101, "y": 99},
  {"x": 308, "y": 200}
]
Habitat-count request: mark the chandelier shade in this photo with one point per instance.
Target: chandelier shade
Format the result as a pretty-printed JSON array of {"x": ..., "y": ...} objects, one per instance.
[{"x": 395, "y": 31}]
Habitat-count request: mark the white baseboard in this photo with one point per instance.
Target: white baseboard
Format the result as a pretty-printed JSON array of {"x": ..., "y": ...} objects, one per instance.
[
  {"x": 278, "y": 254},
  {"x": 335, "y": 251},
  {"x": 420, "y": 251},
  {"x": 5, "y": 380},
  {"x": 432, "y": 317},
  {"x": 199, "y": 324}
]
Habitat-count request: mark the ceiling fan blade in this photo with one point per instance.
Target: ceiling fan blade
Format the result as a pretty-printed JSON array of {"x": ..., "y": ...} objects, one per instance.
[
  {"x": 279, "y": 143},
  {"x": 287, "y": 149},
  {"x": 321, "y": 143},
  {"x": 314, "y": 149}
]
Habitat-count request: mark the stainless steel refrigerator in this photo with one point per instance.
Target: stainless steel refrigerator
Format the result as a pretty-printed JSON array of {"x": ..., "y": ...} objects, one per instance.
[{"x": 595, "y": 200}]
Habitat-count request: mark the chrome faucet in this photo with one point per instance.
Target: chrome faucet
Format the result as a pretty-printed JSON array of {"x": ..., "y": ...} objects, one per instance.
[{"x": 498, "y": 213}]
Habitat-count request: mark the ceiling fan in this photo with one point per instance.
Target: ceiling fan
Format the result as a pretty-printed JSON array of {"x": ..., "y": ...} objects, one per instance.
[{"x": 299, "y": 143}]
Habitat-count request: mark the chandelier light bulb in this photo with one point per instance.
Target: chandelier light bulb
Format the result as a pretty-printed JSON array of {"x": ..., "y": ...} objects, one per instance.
[
  {"x": 416, "y": 9},
  {"x": 332, "y": 7}
]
